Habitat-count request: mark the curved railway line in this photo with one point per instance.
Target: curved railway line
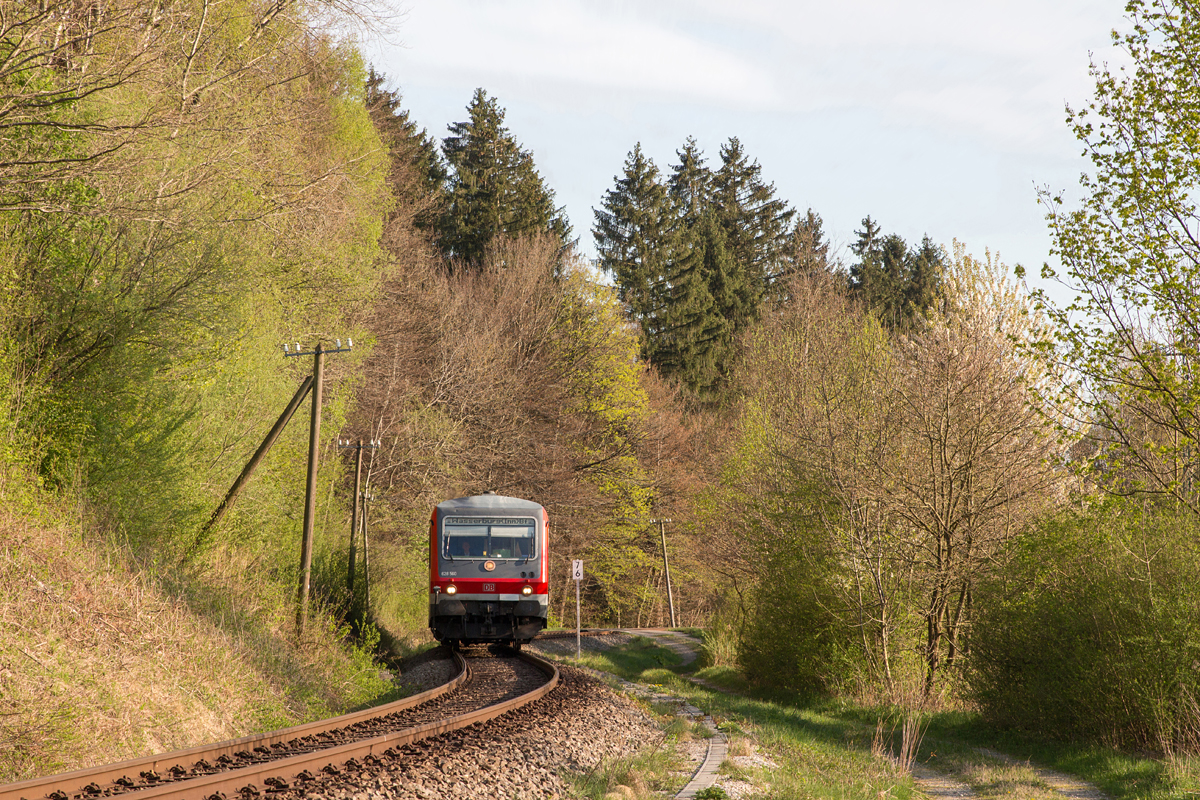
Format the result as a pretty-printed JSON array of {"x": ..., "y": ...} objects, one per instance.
[{"x": 486, "y": 686}]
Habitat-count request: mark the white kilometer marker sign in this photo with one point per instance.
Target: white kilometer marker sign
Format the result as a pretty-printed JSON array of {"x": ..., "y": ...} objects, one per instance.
[{"x": 577, "y": 574}]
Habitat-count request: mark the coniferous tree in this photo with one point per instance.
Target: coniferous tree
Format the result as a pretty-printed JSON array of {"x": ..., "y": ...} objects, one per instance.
[
  {"x": 926, "y": 268},
  {"x": 694, "y": 345},
  {"x": 868, "y": 241},
  {"x": 896, "y": 283},
  {"x": 690, "y": 184},
  {"x": 806, "y": 255},
  {"x": 693, "y": 260},
  {"x": 494, "y": 188},
  {"x": 808, "y": 249},
  {"x": 418, "y": 172},
  {"x": 637, "y": 242},
  {"x": 756, "y": 227}
]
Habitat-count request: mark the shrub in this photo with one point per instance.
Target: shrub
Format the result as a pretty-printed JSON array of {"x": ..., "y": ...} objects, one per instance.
[{"x": 1092, "y": 630}]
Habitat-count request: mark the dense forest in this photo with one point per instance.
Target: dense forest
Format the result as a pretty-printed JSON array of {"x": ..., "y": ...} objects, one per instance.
[{"x": 891, "y": 473}]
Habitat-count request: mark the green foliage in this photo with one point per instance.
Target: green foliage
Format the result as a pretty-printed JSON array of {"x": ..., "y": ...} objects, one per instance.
[
  {"x": 1129, "y": 338},
  {"x": 796, "y": 635},
  {"x": 896, "y": 283},
  {"x": 494, "y": 188},
  {"x": 180, "y": 217},
  {"x": 693, "y": 258},
  {"x": 1093, "y": 630}
]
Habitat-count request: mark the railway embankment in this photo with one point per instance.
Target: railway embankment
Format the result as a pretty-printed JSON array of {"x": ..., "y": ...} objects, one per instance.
[{"x": 101, "y": 661}]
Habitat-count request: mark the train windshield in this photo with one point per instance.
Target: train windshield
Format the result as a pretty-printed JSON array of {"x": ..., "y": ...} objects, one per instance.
[{"x": 496, "y": 538}]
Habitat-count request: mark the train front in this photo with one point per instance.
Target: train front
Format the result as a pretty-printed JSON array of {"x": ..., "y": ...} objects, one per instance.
[{"x": 489, "y": 570}]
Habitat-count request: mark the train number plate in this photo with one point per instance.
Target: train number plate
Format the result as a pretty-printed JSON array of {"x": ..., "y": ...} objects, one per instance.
[{"x": 489, "y": 587}]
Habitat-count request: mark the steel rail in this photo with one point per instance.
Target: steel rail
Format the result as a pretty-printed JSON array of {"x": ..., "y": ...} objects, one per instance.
[
  {"x": 76, "y": 783},
  {"x": 232, "y": 782}
]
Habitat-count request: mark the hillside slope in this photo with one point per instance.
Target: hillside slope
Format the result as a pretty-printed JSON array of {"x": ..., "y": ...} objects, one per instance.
[{"x": 99, "y": 663}]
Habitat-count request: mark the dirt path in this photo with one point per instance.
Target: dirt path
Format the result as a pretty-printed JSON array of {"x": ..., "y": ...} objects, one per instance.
[
  {"x": 1060, "y": 783},
  {"x": 683, "y": 645},
  {"x": 937, "y": 785}
]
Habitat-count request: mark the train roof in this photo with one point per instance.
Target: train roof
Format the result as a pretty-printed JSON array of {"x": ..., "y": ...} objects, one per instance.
[{"x": 488, "y": 502}]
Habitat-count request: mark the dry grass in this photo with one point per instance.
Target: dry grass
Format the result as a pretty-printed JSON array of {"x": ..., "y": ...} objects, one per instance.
[
  {"x": 97, "y": 664},
  {"x": 1019, "y": 781},
  {"x": 740, "y": 746}
]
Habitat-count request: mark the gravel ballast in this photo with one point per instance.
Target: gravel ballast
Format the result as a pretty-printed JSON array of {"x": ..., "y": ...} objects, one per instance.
[{"x": 524, "y": 754}]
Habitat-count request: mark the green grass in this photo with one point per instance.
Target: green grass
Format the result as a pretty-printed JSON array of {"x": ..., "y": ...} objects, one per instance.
[
  {"x": 630, "y": 662},
  {"x": 728, "y": 678},
  {"x": 823, "y": 749},
  {"x": 818, "y": 755},
  {"x": 951, "y": 746},
  {"x": 1120, "y": 775},
  {"x": 647, "y": 772}
]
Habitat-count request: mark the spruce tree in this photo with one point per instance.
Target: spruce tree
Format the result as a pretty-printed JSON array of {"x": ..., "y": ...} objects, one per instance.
[
  {"x": 926, "y": 268},
  {"x": 896, "y": 283},
  {"x": 806, "y": 255},
  {"x": 494, "y": 188},
  {"x": 636, "y": 239},
  {"x": 807, "y": 252},
  {"x": 695, "y": 342},
  {"x": 690, "y": 184},
  {"x": 418, "y": 173},
  {"x": 757, "y": 227},
  {"x": 693, "y": 259}
]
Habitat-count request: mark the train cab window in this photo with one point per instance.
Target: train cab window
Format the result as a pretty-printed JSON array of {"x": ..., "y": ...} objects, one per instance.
[
  {"x": 489, "y": 538},
  {"x": 512, "y": 541},
  {"x": 466, "y": 541}
]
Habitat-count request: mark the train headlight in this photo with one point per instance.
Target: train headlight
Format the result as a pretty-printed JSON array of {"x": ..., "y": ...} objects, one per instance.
[
  {"x": 526, "y": 590},
  {"x": 452, "y": 589}
]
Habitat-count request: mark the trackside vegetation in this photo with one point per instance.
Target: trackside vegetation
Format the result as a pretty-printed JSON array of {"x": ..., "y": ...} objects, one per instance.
[{"x": 890, "y": 481}]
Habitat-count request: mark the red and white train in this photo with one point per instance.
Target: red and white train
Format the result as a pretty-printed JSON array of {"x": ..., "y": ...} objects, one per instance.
[{"x": 488, "y": 570}]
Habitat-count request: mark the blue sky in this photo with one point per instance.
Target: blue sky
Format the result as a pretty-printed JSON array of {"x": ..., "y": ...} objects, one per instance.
[{"x": 937, "y": 117}]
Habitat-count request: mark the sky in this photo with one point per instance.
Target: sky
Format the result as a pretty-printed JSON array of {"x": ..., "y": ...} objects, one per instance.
[{"x": 938, "y": 117}]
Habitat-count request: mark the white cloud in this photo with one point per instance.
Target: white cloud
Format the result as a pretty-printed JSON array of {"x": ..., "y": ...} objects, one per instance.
[
  {"x": 585, "y": 46},
  {"x": 932, "y": 115},
  {"x": 998, "y": 70}
]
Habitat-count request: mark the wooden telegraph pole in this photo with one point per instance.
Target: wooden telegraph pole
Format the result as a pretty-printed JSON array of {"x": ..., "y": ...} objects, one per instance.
[
  {"x": 358, "y": 516},
  {"x": 310, "y": 492},
  {"x": 662, "y": 530}
]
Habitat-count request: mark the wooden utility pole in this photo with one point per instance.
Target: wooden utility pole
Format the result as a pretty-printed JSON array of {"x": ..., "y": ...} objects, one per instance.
[
  {"x": 310, "y": 491},
  {"x": 367, "y": 497},
  {"x": 662, "y": 530}
]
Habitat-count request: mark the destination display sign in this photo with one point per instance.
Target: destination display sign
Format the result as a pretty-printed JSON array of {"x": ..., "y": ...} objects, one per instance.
[{"x": 488, "y": 521}]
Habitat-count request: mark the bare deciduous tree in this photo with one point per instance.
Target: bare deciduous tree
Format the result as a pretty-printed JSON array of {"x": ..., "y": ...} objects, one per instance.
[{"x": 926, "y": 448}]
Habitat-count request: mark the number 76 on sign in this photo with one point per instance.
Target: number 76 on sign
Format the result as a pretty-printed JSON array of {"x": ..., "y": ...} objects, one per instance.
[{"x": 577, "y": 569}]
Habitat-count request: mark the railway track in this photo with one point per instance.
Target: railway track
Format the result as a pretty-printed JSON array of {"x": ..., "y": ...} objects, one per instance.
[{"x": 486, "y": 686}]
